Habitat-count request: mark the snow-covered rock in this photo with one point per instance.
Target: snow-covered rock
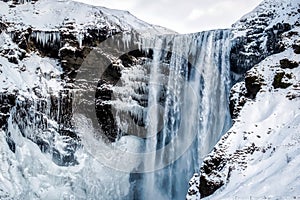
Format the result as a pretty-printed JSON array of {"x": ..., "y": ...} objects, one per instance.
[
  {"x": 42, "y": 44},
  {"x": 259, "y": 156},
  {"x": 50, "y": 15},
  {"x": 258, "y": 34}
]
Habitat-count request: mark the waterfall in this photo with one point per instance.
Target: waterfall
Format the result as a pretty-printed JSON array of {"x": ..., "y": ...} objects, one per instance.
[
  {"x": 169, "y": 106},
  {"x": 188, "y": 111}
]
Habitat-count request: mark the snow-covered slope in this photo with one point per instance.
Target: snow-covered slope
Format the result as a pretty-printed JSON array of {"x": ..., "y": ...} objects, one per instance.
[
  {"x": 258, "y": 158},
  {"x": 51, "y": 14},
  {"x": 261, "y": 151},
  {"x": 32, "y": 72},
  {"x": 269, "y": 13}
]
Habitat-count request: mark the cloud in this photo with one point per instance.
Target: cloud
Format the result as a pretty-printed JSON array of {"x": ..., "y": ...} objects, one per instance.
[{"x": 195, "y": 14}]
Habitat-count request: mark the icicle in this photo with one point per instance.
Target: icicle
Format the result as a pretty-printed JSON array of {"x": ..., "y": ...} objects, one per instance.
[
  {"x": 46, "y": 38},
  {"x": 126, "y": 40}
]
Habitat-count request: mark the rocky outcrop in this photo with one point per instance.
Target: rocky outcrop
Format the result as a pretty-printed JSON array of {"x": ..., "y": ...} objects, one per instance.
[
  {"x": 245, "y": 91},
  {"x": 288, "y": 64},
  {"x": 7, "y": 101},
  {"x": 281, "y": 79},
  {"x": 3, "y": 26},
  {"x": 111, "y": 78},
  {"x": 260, "y": 34},
  {"x": 237, "y": 99},
  {"x": 257, "y": 44}
]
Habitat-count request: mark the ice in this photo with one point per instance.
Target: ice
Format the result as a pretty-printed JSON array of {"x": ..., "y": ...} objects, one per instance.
[
  {"x": 38, "y": 15},
  {"x": 80, "y": 37},
  {"x": 46, "y": 37}
]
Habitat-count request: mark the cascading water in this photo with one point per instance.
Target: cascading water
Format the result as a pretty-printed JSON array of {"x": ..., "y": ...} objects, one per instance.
[{"x": 189, "y": 99}]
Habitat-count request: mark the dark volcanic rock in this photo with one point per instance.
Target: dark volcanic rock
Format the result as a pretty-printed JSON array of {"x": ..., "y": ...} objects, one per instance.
[
  {"x": 296, "y": 48},
  {"x": 278, "y": 80},
  {"x": 237, "y": 99},
  {"x": 286, "y": 63},
  {"x": 7, "y": 101},
  {"x": 253, "y": 83},
  {"x": 207, "y": 185},
  {"x": 72, "y": 58},
  {"x": 110, "y": 78},
  {"x": 3, "y": 26}
]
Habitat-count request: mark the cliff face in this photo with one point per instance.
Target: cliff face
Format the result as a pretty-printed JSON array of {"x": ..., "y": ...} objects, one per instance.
[
  {"x": 53, "y": 38},
  {"x": 42, "y": 46},
  {"x": 258, "y": 34},
  {"x": 50, "y": 50},
  {"x": 254, "y": 158}
]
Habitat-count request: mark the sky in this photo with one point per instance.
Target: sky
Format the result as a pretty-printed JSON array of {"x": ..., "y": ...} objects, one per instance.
[{"x": 183, "y": 16}]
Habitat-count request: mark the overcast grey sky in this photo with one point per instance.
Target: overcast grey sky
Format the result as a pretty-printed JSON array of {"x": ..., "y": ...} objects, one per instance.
[{"x": 184, "y": 16}]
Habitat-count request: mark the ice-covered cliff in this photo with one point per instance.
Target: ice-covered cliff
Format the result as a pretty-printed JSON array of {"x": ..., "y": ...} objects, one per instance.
[{"x": 42, "y": 44}]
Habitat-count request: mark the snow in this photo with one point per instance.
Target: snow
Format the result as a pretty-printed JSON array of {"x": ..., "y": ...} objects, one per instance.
[
  {"x": 270, "y": 12},
  {"x": 30, "y": 174},
  {"x": 37, "y": 15},
  {"x": 68, "y": 47},
  {"x": 39, "y": 72},
  {"x": 271, "y": 122}
]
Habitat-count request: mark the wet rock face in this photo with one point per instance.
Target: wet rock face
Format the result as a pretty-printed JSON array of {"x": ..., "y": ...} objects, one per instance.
[
  {"x": 7, "y": 101},
  {"x": 126, "y": 80}
]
